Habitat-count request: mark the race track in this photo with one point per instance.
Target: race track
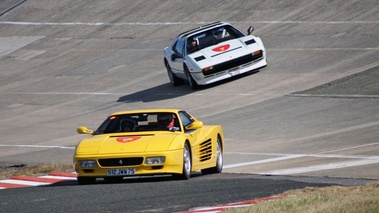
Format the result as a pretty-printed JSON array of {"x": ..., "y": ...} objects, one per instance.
[{"x": 68, "y": 63}]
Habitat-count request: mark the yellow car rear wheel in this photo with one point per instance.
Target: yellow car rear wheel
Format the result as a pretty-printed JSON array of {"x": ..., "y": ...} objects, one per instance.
[{"x": 219, "y": 160}]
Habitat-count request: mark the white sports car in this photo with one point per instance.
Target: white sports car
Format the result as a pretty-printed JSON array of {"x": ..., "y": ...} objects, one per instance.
[{"x": 211, "y": 53}]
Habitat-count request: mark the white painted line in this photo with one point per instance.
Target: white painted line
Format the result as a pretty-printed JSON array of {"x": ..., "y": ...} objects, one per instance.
[
  {"x": 325, "y": 49},
  {"x": 353, "y": 147},
  {"x": 258, "y": 153},
  {"x": 67, "y": 93},
  {"x": 94, "y": 23},
  {"x": 339, "y": 131},
  {"x": 320, "y": 167},
  {"x": 366, "y": 157},
  {"x": 359, "y": 160},
  {"x": 24, "y": 182},
  {"x": 37, "y": 146},
  {"x": 320, "y": 155},
  {"x": 178, "y": 23},
  {"x": 332, "y": 96},
  {"x": 316, "y": 22},
  {"x": 57, "y": 177},
  {"x": 263, "y": 161}
]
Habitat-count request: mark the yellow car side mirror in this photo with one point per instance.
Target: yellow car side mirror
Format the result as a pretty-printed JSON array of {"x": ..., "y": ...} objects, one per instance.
[
  {"x": 194, "y": 125},
  {"x": 84, "y": 130}
]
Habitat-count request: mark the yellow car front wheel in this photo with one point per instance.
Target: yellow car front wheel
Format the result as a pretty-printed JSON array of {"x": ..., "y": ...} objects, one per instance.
[{"x": 187, "y": 164}]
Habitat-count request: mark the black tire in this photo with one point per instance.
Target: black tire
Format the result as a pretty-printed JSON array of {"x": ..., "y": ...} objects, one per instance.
[
  {"x": 187, "y": 165},
  {"x": 175, "y": 81},
  {"x": 219, "y": 161},
  {"x": 86, "y": 180},
  {"x": 191, "y": 82}
]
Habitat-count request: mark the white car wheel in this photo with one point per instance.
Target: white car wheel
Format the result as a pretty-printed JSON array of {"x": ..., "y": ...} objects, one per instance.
[
  {"x": 190, "y": 79},
  {"x": 175, "y": 81}
]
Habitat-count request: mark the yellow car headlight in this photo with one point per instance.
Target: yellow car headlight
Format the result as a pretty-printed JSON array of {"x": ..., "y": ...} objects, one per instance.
[
  {"x": 155, "y": 160},
  {"x": 87, "y": 163}
]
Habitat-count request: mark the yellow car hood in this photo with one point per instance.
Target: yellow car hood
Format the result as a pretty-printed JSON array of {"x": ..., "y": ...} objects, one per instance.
[{"x": 111, "y": 144}]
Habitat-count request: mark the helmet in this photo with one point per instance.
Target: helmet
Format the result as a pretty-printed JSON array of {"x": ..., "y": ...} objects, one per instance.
[
  {"x": 164, "y": 119},
  {"x": 128, "y": 122},
  {"x": 196, "y": 40},
  {"x": 219, "y": 33}
]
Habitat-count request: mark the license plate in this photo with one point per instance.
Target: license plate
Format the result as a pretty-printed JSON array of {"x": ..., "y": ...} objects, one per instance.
[
  {"x": 121, "y": 172},
  {"x": 234, "y": 72}
]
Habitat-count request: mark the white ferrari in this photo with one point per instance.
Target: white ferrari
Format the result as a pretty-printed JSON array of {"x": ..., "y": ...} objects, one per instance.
[{"x": 211, "y": 53}]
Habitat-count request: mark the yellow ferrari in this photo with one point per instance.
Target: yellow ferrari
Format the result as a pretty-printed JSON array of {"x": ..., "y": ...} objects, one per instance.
[{"x": 148, "y": 142}]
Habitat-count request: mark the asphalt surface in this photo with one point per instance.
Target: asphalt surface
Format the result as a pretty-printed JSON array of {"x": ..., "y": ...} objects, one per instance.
[
  {"x": 145, "y": 195},
  {"x": 310, "y": 117},
  {"x": 360, "y": 85}
]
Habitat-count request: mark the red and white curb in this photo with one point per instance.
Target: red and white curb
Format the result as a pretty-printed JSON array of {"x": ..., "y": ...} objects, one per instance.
[
  {"x": 224, "y": 207},
  {"x": 26, "y": 181}
]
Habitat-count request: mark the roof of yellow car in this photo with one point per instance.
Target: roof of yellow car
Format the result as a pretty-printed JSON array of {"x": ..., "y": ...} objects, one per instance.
[{"x": 147, "y": 111}]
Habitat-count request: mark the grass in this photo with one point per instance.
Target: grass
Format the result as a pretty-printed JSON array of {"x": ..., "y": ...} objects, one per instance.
[
  {"x": 334, "y": 199},
  {"x": 33, "y": 170}
]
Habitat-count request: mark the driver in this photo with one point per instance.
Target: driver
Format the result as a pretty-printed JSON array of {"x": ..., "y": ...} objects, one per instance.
[
  {"x": 127, "y": 125},
  {"x": 219, "y": 34},
  {"x": 167, "y": 121},
  {"x": 194, "y": 45}
]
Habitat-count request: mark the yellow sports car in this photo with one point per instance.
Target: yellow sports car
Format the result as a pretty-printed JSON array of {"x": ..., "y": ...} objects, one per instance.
[{"x": 149, "y": 142}]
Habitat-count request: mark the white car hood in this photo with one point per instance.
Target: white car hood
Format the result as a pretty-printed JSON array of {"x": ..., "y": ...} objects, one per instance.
[{"x": 224, "y": 51}]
